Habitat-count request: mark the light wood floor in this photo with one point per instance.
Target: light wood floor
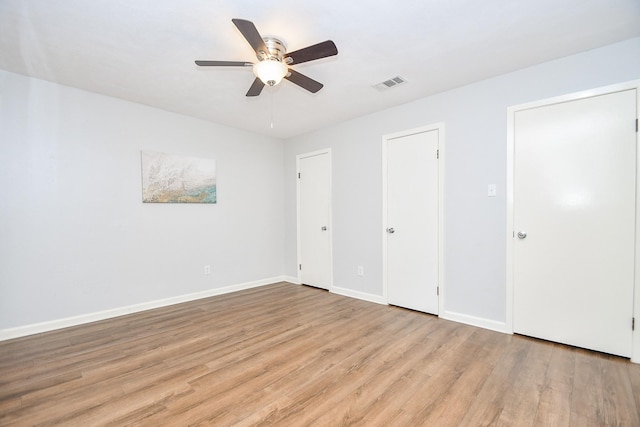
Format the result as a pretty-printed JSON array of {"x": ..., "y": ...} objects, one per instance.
[{"x": 291, "y": 355}]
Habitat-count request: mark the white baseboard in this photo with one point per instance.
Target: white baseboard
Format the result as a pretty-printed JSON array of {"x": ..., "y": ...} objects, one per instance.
[
  {"x": 358, "y": 295},
  {"x": 448, "y": 315},
  {"x": 475, "y": 321},
  {"x": 21, "y": 331}
]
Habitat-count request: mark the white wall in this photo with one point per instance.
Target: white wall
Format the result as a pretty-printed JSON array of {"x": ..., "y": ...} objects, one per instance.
[
  {"x": 475, "y": 225},
  {"x": 75, "y": 237}
]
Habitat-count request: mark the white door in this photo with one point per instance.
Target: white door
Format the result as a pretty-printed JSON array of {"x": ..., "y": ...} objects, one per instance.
[
  {"x": 412, "y": 221},
  {"x": 314, "y": 196},
  {"x": 574, "y": 222}
]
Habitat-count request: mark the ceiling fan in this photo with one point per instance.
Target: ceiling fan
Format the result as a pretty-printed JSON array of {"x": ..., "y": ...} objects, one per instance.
[{"x": 274, "y": 63}]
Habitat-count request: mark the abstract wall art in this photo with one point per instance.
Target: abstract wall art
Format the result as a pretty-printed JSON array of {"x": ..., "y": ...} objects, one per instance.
[{"x": 168, "y": 178}]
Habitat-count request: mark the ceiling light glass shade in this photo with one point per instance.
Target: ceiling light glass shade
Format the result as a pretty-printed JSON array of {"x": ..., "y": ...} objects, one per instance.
[{"x": 270, "y": 71}]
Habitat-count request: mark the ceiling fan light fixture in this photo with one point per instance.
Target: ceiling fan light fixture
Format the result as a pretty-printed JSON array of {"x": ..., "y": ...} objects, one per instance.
[
  {"x": 274, "y": 60},
  {"x": 270, "y": 71}
]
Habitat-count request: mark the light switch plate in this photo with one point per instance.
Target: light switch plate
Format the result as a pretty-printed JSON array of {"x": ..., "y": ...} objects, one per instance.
[{"x": 491, "y": 190}]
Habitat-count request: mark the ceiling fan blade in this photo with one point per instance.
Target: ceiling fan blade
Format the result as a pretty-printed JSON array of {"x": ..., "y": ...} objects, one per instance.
[
  {"x": 223, "y": 63},
  {"x": 250, "y": 32},
  {"x": 303, "y": 81},
  {"x": 255, "y": 88},
  {"x": 310, "y": 53}
]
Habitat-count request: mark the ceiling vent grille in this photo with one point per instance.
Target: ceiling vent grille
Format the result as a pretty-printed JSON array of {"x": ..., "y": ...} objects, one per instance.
[{"x": 392, "y": 82}]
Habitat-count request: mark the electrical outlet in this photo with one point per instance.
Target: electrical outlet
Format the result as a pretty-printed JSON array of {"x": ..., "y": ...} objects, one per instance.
[
  {"x": 207, "y": 269},
  {"x": 360, "y": 270}
]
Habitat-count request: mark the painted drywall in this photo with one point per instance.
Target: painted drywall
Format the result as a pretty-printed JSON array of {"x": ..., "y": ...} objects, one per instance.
[
  {"x": 475, "y": 141},
  {"x": 75, "y": 237}
]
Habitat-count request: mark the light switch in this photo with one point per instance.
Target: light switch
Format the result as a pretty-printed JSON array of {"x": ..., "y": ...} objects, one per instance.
[{"x": 491, "y": 190}]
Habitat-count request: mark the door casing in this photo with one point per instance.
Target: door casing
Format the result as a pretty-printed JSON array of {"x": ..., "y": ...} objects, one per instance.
[{"x": 510, "y": 230}]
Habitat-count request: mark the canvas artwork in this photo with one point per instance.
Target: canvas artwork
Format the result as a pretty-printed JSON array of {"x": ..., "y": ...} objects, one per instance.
[{"x": 168, "y": 178}]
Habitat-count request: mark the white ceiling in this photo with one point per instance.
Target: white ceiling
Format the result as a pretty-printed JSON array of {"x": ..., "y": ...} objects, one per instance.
[{"x": 144, "y": 50}]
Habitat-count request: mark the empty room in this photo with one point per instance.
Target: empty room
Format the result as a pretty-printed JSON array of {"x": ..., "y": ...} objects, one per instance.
[{"x": 319, "y": 213}]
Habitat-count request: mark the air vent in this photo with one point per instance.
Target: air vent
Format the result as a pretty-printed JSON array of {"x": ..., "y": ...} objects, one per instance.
[{"x": 392, "y": 82}]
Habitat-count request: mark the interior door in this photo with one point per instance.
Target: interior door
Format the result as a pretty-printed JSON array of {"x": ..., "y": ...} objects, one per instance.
[
  {"x": 314, "y": 180},
  {"x": 574, "y": 220},
  {"x": 412, "y": 221}
]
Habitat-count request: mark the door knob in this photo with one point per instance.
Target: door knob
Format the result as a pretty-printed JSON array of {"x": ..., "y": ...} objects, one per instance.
[
  {"x": 324, "y": 228},
  {"x": 522, "y": 234},
  {"x": 391, "y": 230}
]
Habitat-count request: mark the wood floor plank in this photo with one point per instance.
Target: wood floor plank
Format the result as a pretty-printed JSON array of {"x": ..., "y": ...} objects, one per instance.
[
  {"x": 311, "y": 397},
  {"x": 350, "y": 405},
  {"x": 481, "y": 350},
  {"x": 523, "y": 398},
  {"x": 634, "y": 380},
  {"x": 555, "y": 397},
  {"x": 587, "y": 399},
  {"x": 618, "y": 400},
  {"x": 487, "y": 408},
  {"x": 291, "y": 355}
]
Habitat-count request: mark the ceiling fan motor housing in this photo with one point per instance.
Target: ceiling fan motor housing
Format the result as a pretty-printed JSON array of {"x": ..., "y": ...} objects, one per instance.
[{"x": 277, "y": 48}]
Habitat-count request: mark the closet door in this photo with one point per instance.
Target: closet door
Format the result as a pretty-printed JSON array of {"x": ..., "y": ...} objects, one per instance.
[
  {"x": 314, "y": 216},
  {"x": 574, "y": 222},
  {"x": 412, "y": 221}
]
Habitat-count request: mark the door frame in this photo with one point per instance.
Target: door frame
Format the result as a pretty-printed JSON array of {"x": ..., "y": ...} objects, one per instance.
[
  {"x": 299, "y": 157},
  {"x": 441, "y": 156},
  {"x": 511, "y": 111}
]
